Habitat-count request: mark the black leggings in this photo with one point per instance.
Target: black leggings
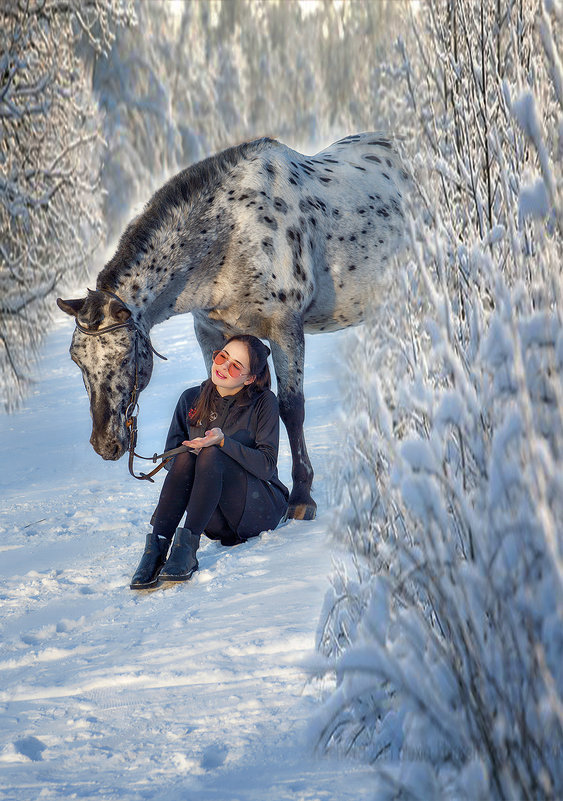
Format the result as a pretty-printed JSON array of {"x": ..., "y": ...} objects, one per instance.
[{"x": 210, "y": 488}]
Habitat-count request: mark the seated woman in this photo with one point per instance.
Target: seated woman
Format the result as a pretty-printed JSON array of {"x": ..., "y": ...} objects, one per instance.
[{"x": 227, "y": 484}]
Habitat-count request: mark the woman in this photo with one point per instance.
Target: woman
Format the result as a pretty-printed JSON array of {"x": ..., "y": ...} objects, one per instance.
[{"x": 227, "y": 484}]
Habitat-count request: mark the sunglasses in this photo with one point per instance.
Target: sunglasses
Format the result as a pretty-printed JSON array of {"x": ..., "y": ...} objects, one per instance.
[{"x": 235, "y": 369}]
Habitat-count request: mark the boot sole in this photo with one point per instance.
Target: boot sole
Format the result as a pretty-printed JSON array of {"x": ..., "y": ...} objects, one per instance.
[
  {"x": 183, "y": 577},
  {"x": 145, "y": 585}
]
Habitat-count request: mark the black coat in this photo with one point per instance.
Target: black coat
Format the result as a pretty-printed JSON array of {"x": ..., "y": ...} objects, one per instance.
[{"x": 251, "y": 424}]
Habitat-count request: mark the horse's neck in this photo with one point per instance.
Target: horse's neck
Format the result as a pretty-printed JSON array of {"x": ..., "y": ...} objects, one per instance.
[
  {"x": 159, "y": 302},
  {"x": 154, "y": 295}
]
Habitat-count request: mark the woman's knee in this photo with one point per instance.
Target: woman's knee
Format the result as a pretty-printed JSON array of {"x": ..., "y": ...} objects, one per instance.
[
  {"x": 183, "y": 462},
  {"x": 209, "y": 457}
]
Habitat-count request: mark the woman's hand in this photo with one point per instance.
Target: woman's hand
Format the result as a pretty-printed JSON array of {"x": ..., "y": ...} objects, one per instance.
[{"x": 212, "y": 437}]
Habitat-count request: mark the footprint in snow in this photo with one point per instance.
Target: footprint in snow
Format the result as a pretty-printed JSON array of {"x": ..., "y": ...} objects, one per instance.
[
  {"x": 30, "y": 747},
  {"x": 214, "y": 756}
]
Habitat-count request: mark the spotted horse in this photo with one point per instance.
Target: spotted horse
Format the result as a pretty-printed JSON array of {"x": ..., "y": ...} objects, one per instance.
[{"x": 256, "y": 239}]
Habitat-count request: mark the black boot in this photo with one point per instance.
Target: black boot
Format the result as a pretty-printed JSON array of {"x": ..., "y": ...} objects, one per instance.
[
  {"x": 152, "y": 560},
  {"x": 182, "y": 561}
]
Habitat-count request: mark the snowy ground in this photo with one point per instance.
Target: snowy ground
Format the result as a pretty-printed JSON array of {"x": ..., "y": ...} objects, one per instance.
[{"x": 191, "y": 691}]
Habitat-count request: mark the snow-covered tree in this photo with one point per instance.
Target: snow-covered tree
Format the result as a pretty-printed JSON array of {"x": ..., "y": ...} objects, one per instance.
[
  {"x": 50, "y": 209},
  {"x": 193, "y": 79},
  {"x": 446, "y": 638}
]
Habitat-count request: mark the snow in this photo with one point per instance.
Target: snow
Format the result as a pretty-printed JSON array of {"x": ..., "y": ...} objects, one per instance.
[
  {"x": 189, "y": 691},
  {"x": 533, "y": 200}
]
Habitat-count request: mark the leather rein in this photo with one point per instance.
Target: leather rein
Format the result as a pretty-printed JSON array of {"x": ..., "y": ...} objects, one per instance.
[{"x": 132, "y": 410}]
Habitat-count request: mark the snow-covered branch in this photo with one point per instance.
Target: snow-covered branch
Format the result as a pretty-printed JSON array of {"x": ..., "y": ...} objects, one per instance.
[
  {"x": 50, "y": 151},
  {"x": 447, "y": 634}
]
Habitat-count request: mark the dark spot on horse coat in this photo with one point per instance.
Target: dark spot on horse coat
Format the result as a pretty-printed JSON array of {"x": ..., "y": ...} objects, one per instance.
[
  {"x": 382, "y": 212},
  {"x": 356, "y": 167},
  {"x": 280, "y": 205},
  {"x": 268, "y": 246},
  {"x": 381, "y": 142},
  {"x": 269, "y": 221},
  {"x": 324, "y": 179},
  {"x": 396, "y": 207},
  {"x": 373, "y": 158}
]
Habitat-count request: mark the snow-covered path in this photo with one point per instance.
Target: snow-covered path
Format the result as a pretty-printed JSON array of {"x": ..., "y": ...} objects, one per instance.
[{"x": 191, "y": 691}]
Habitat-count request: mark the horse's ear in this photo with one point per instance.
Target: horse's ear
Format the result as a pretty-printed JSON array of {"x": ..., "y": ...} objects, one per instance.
[
  {"x": 72, "y": 307},
  {"x": 119, "y": 312}
]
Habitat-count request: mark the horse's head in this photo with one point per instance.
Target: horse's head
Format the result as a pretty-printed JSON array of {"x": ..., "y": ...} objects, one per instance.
[{"x": 111, "y": 351}]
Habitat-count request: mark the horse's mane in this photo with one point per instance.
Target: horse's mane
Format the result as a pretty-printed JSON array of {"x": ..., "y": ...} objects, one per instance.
[{"x": 178, "y": 190}]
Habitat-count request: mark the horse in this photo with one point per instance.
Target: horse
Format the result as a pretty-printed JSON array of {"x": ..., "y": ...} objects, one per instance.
[{"x": 256, "y": 239}]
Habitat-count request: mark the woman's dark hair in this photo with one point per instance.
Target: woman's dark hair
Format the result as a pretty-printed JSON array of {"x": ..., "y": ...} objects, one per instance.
[{"x": 258, "y": 362}]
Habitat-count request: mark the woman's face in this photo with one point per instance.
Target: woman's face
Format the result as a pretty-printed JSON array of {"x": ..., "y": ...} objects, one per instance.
[{"x": 238, "y": 355}]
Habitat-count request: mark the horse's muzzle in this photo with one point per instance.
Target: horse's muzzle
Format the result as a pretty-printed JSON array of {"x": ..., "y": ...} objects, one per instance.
[{"x": 108, "y": 447}]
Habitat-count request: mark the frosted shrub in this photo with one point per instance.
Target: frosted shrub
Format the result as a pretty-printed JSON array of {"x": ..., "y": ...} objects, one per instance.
[
  {"x": 445, "y": 635},
  {"x": 448, "y": 641},
  {"x": 50, "y": 159}
]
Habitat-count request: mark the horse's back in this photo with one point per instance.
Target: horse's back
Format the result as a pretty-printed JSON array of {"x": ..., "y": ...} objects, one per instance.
[
  {"x": 355, "y": 221},
  {"x": 315, "y": 234}
]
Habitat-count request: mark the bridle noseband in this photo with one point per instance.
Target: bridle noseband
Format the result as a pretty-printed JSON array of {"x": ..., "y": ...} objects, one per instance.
[{"x": 130, "y": 415}]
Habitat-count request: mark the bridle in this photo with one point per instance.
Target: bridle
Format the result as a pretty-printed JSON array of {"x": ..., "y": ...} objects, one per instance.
[{"x": 132, "y": 410}]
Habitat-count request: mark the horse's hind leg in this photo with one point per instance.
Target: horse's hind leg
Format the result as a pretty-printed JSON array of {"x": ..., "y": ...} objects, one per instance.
[{"x": 288, "y": 353}]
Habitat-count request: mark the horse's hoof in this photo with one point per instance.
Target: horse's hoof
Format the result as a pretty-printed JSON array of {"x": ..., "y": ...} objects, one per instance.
[{"x": 301, "y": 511}]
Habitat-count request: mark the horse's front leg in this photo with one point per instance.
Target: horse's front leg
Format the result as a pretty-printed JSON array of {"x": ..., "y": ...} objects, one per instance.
[
  {"x": 288, "y": 353},
  {"x": 209, "y": 337}
]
